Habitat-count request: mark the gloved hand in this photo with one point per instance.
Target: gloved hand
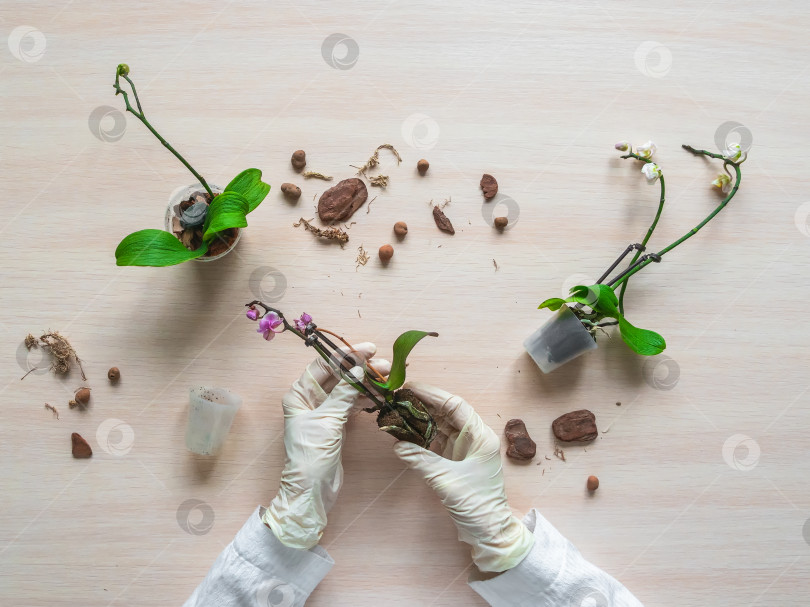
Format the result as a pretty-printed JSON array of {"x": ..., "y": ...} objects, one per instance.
[
  {"x": 469, "y": 481},
  {"x": 315, "y": 411}
]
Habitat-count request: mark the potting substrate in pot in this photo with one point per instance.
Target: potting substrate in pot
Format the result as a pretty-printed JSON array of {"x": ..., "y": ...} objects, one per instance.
[{"x": 184, "y": 199}]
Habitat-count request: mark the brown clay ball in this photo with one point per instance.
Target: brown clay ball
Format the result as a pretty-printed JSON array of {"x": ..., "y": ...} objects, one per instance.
[
  {"x": 299, "y": 160},
  {"x": 400, "y": 229},
  {"x": 422, "y": 166},
  {"x": 291, "y": 191},
  {"x": 501, "y": 222},
  {"x": 114, "y": 374},
  {"x": 593, "y": 483},
  {"x": 82, "y": 396},
  {"x": 386, "y": 253}
]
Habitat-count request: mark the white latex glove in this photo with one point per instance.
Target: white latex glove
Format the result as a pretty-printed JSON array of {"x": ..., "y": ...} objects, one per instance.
[
  {"x": 315, "y": 412},
  {"x": 469, "y": 480}
]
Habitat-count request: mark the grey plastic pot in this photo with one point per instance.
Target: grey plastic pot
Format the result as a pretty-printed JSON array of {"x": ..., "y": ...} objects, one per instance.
[{"x": 561, "y": 339}]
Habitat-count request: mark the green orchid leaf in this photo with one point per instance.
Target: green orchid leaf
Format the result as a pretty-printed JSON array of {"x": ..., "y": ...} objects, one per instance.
[
  {"x": 600, "y": 298},
  {"x": 553, "y": 304},
  {"x": 249, "y": 184},
  {"x": 381, "y": 386},
  {"x": 641, "y": 341},
  {"x": 228, "y": 210},
  {"x": 154, "y": 248},
  {"x": 402, "y": 347}
]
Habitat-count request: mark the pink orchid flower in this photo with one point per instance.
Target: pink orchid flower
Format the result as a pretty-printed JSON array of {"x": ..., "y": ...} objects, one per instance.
[
  {"x": 268, "y": 325},
  {"x": 301, "y": 323}
]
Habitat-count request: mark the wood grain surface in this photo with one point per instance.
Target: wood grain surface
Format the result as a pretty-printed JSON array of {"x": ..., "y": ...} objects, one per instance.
[{"x": 703, "y": 467}]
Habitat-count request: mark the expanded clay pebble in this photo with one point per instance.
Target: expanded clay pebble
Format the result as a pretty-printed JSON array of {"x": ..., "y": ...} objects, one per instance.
[
  {"x": 422, "y": 166},
  {"x": 400, "y": 229},
  {"x": 386, "y": 253},
  {"x": 291, "y": 191},
  {"x": 299, "y": 160},
  {"x": 80, "y": 399}
]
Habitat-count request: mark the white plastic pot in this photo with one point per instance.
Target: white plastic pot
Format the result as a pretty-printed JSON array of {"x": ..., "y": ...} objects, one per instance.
[
  {"x": 561, "y": 339},
  {"x": 183, "y": 193},
  {"x": 210, "y": 414}
]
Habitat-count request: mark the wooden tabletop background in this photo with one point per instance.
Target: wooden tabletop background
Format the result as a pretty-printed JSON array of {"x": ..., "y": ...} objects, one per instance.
[{"x": 704, "y": 497}]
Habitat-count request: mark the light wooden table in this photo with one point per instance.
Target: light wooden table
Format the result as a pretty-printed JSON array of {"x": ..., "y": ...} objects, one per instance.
[{"x": 704, "y": 495}]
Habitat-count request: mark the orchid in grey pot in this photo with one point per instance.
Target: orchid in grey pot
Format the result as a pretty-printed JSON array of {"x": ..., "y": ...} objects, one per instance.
[
  {"x": 596, "y": 309},
  {"x": 202, "y": 221}
]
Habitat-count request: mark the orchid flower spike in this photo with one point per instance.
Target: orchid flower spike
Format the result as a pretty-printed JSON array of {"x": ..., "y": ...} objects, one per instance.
[
  {"x": 646, "y": 150},
  {"x": 651, "y": 171}
]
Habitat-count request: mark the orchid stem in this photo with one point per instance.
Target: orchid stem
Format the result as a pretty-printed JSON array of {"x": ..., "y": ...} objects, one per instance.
[
  {"x": 379, "y": 375},
  {"x": 622, "y": 279},
  {"x": 139, "y": 114},
  {"x": 650, "y": 230}
]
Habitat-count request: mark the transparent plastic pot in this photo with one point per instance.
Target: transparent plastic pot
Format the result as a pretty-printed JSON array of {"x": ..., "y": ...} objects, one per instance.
[
  {"x": 561, "y": 339},
  {"x": 210, "y": 414},
  {"x": 184, "y": 193}
]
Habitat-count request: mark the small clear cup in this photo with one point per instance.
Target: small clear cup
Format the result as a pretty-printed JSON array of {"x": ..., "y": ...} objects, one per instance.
[
  {"x": 561, "y": 339},
  {"x": 210, "y": 414}
]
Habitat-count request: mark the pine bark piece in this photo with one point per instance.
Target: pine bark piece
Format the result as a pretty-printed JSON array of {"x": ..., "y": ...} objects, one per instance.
[
  {"x": 489, "y": 186},
  {"x": 521, "y": 445},
  {"x": 81, "y": 448},
  {"x": 339, "y": 202},
  {"x": 579, "y": 426},
  {"x": 442, "y": 222}
]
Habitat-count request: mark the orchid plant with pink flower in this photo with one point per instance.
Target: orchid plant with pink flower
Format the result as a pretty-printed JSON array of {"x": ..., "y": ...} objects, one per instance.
[
  {"x": 595, "y": 303},
  {"x": 400, "y": 413}
]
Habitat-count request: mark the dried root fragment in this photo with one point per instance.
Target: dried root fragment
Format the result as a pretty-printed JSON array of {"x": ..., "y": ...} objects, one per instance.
[
  {"x": 316, "y": 175},
  {"x": 362, "y": 257},
  {"x": 31, "y": 341},
  {"x": 327, "y": 234},
  {"x": 375, "y": 158},
  {"x": 380, "y": 181}
]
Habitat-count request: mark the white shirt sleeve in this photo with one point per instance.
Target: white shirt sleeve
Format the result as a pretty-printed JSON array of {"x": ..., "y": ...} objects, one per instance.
[
  {"x": 553, "y": 574},
  {"x": 257, "y": 569}
]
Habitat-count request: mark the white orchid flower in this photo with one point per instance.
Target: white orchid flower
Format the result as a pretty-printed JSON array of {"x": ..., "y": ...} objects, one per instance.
[
  {"x": 734, "y": 153},
  {"x": 723, "y": 182},
  {"x": 651, "y": 171},
  {"x": 646, "y": 150}
]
